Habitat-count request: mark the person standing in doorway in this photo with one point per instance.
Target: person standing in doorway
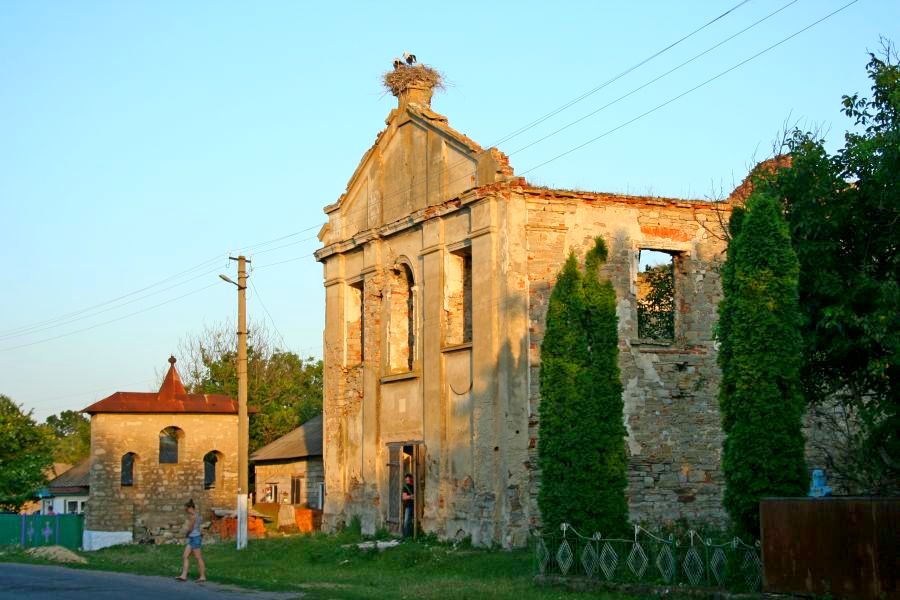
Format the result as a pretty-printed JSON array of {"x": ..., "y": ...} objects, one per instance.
[
  {"x": 409, "y": 502},
  {"x": 194, "y": 536}
]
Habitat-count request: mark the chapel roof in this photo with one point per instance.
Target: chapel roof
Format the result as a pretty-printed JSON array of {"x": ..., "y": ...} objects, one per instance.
[{"x": 171, "y": 398}]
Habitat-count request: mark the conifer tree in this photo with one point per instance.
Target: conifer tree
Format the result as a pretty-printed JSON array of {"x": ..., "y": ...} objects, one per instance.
[
  {"x": 581, "y": 449},
  {"x": 760, "y": 397}
]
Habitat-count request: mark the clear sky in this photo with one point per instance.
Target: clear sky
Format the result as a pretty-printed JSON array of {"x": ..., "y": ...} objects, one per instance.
[{"x": 140, "y": 140}]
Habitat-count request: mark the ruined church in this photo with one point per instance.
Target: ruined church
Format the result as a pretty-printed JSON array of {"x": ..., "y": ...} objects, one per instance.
[{"x": 438, "y": 266}]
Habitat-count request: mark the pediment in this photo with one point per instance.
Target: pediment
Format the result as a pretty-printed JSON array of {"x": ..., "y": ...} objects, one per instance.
[{"x": 417, "y": 161}]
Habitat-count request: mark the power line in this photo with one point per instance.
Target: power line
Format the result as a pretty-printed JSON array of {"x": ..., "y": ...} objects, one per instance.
[
  {"x": 92, "y": 307},
  {"x": 594, "y": 90},
  {"x": 652, "y": 81},
  {"x": 105, "y": 310},
  {"x": 143, "y": 310},
  {"x": 268, "y": 314},
  {"x": 685, "y": 93}
]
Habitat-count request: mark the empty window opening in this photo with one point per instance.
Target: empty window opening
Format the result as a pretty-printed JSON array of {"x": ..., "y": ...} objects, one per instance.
[
  {"x": 169, "y": 441},
  {"x": 355, "y": 324},
  {"x": 458, "y": 298},
  {"x": 127, "y": 477},
  {"x": 401, "y": 343},
  {"x": 656, "y": 295},
  {"x": 212, "y": 469}
]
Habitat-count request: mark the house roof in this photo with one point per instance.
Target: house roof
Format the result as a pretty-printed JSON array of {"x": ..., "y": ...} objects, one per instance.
[
  {"x": 73, "y": 480},
  {"x": 303, "y": 442},
  {"x": 171, "y": 398}
]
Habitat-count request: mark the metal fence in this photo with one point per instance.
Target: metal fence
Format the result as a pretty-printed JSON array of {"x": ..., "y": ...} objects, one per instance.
[
  {"x": 41, "y": 530},
  {"x": 648, "y": 559}
]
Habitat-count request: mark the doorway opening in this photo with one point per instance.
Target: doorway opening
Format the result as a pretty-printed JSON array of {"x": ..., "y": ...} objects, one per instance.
[{"x": 405, "y": 458}]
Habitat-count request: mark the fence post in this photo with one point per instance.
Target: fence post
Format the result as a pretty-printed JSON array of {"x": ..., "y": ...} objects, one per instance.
[
  {"x": 22, "y": 528},
  {"x": 57, "y": 530}
]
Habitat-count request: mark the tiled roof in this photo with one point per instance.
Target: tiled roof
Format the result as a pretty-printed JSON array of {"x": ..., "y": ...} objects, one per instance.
[
  {"x": 171, "y": 398},
  {"x": 303, "y": 442}
]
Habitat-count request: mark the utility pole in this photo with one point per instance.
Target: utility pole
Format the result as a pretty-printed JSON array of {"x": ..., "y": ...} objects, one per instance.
[{"x": 243, "y": 422}]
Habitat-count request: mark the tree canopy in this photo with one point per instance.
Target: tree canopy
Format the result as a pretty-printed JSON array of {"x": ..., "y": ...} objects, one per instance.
[
  {"x": 285, "y": 388},
  {"x": 71, "y": 431},
  {"x": 25, "y": 455},
  {"x": 843, "y": 210}
]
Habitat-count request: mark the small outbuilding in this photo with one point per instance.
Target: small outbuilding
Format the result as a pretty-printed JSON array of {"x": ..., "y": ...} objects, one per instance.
[
  {"x": 290, "y": 469},
  {"x": 67, "y": 494}
]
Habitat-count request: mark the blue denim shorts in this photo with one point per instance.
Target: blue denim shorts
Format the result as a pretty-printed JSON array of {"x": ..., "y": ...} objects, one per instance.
[{"x": 194, "y": 542}]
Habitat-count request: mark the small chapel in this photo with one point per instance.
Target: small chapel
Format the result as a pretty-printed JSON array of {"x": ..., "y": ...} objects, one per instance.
[{"x": 150, "y": 453}]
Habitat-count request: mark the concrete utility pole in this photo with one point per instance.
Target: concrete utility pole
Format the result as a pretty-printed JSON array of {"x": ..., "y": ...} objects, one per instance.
[{"x": 243, "y": 422}]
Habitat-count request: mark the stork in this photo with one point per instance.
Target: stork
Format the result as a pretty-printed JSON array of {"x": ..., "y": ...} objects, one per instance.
[
  {"x": 409, "y": 58},
  {"x": 398, "y": 62}
]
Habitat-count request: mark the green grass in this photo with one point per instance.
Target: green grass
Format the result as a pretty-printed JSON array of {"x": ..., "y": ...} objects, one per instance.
[{"x": 326, "y": 567}]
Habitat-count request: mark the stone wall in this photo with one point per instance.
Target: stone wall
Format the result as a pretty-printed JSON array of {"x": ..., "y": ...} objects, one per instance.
[
  {"x": 280, "y": 474},
  {"x": 152, "y": 508},
  {"x": 671, "y": 405}
]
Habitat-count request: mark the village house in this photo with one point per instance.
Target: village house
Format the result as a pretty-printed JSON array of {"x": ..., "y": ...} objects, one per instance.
[
  {"x": 67, "y": 493},
  {"x": 290, "y": 478},
  {"x": 150, "y": 453},
  {"x": 438, "y": 266},
  {"x": 289, "y": 470}
]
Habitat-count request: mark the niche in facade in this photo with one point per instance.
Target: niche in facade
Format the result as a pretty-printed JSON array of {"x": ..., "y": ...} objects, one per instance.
[
  {"x": 354, "y": 325},
  {"x": 458, "y": 298},
  {"x": 656, "y": 295},
  {"x": 401, "y": 337}
]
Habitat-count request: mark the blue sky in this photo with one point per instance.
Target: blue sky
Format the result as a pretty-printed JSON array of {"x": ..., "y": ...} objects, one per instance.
[{"x": 145, "y": 139}]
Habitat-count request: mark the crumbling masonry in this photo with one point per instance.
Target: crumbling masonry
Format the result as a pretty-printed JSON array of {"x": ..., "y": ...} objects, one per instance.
[{"x": 438, "y": 266}]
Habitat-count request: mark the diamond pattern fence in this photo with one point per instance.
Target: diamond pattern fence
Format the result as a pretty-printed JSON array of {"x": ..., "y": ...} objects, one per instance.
[{"x": 690, "y": 561}]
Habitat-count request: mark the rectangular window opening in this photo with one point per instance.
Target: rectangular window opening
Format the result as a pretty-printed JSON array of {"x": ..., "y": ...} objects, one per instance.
[
  {"x": 458, "y": 298},
  {"x": 656, "y": 295}
]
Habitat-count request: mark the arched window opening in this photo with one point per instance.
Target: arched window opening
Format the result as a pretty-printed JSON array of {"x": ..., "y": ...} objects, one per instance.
[
  {"x": 128, "y": 463},
  {"x": 169, "y": 442},
  {"x": 402, "y": 340},
  {"x": 212, "y": 469}
]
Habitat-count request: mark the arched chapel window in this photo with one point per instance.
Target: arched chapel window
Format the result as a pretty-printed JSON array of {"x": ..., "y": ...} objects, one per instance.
[
  {"x": 212, "y": 469},
  {"x": 402, "y": 340},
  {"x": 128, "y": 460},
  {"x": 169, "y": 440}
]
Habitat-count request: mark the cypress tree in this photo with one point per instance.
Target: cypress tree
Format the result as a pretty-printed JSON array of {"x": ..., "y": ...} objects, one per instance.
[
  {"x": 581, "y": 448},
  {"x": 760, "y": 398}
]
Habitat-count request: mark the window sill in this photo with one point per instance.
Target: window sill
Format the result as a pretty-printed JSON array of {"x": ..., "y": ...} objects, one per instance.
[
  {"x": 400, "y": 376},
  {"x": 457, "y": 347}
]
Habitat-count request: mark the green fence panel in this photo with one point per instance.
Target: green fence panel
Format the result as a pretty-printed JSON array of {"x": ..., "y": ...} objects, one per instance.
[{"x": 42, "y": 530}]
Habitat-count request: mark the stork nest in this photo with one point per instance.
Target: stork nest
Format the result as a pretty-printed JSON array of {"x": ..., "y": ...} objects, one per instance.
[{"x": 404, "y": 76}]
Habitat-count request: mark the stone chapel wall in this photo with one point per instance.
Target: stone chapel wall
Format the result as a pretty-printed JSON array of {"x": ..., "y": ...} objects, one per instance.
[{"x": 153, "y": 506}]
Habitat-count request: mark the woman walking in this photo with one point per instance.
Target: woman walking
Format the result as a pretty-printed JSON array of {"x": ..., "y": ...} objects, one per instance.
[{"x": 192, "y": 526}]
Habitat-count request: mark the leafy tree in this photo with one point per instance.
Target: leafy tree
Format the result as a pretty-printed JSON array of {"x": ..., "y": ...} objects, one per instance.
[
  {"x": 25, "y": 453},
  {"x": 760, "y": 397},
  {"x": 656, "y": 310},
  {"x": 72, "y": 434},
  {"x": 581, "y": 448},
  {"x": 286, "y": 389},
  {"x": 843, "y": 210}
]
